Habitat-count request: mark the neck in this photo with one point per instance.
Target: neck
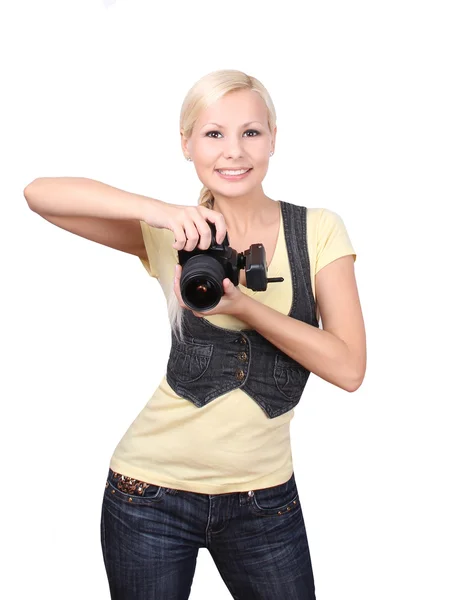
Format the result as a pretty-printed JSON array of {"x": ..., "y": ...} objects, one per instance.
[{"x": 242, "y": 213}]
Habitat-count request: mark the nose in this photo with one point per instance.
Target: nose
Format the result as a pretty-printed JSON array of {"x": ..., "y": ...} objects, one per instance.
[{"x": 233, "y": 147}]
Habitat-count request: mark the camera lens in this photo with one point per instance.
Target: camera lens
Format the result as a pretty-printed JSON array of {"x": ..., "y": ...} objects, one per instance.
[
  {"x": 202, "y": 293},
  {"x": 201, "y": 282}
]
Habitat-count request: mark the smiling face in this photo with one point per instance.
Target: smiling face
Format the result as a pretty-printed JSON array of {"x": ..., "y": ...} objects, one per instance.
[{"x": 232, "y": 134}]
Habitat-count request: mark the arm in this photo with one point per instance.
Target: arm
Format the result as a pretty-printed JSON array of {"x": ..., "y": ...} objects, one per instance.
[
  {"x": 93, "y": 210},
  {"x": 336, "y": 353}
]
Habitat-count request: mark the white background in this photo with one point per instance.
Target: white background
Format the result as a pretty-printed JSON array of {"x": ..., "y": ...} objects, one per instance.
[{"x": 366, "y": 99}]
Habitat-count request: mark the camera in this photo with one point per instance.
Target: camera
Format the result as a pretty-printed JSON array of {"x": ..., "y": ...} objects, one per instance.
[{"x": 203, "y": 271}]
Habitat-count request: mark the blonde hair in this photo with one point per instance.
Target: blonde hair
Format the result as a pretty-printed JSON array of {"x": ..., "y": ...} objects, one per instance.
[{"x": 202, "y": 94}]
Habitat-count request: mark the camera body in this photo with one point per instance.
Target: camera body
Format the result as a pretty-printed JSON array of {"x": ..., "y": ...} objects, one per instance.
[{"x": 203, "y": 271}]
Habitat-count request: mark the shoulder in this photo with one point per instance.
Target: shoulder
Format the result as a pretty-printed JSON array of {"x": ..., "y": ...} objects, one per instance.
[
  {"x": 321, "y": 221},
  {"x": 324, "y": 222},
  {"x": 332, "y": 238},
  {"x": 324, "y": 218},
  {"x": 319, "y": 215}
]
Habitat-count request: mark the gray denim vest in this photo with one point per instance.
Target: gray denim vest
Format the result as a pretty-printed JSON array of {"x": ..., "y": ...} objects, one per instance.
[{"x": 212, "y": 360}]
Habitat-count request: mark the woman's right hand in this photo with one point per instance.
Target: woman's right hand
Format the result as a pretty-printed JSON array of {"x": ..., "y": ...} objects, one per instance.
[{"x": 188, "y": 223}]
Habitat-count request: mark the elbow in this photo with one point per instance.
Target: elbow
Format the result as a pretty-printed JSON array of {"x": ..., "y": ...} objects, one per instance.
[
  {"x": 28, "y": 187},
  {"x": 355, "y": 382},
  {"x": 356, "y": 370},
  {"x": 354, "y": 387},
  {"x": 30, "y": 194}
]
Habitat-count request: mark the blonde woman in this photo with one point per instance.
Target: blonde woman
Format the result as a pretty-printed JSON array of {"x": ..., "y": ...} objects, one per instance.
[{"x": 207, "y": 463}]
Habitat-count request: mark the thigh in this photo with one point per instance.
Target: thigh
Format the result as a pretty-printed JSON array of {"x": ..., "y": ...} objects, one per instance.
[
  {"x": 263, "y": 554},
  {"x": 145, "y": 557}
]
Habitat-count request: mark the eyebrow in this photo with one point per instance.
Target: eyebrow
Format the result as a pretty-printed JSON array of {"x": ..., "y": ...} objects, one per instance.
[{"x": 222, "y": 127}]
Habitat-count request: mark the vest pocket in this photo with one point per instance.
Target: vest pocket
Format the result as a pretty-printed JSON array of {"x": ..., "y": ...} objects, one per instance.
[
  {"x": 290, "y": 377},
  {"x": 189, "y": 361}
]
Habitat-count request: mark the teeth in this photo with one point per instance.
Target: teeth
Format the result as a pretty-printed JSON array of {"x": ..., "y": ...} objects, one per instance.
[{"x": 239, "y": 172}]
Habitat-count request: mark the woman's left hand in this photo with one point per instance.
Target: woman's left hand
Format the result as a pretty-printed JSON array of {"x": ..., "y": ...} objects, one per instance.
[{"x": 229, "y": 304}]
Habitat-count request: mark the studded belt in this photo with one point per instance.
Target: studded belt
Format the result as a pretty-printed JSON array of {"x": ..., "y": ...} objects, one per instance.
[{"x": 130, "y": 485}]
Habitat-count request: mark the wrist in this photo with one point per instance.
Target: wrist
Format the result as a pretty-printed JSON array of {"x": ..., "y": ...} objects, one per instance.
[
  {"x": 154, "y": 212},
  {"x": 242, "y": 306}
]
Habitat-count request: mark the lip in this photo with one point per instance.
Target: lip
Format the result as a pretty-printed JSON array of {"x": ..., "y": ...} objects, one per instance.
[{"x": 234, "y": 177}]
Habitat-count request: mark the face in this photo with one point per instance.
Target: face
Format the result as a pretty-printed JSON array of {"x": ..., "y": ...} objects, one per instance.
[{"x": 232, "y": 134}]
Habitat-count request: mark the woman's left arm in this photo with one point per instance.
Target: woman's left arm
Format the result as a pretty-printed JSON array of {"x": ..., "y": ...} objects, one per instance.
[{"x": 336, "y": 353}]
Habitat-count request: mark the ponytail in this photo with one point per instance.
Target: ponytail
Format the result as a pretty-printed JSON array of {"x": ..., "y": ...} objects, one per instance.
[{"x": 206, "y": 197}]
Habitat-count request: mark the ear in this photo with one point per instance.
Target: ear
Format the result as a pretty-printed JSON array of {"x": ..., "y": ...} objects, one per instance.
[
  {"x": 273, "y": 139},
  {"x": 184, "y": 144}
]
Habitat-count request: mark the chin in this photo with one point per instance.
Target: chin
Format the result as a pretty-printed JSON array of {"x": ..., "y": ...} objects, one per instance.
[{"x": 232, "y": 193}]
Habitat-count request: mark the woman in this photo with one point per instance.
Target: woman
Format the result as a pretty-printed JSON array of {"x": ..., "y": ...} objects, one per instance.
[{"x": 207, "y": 462}]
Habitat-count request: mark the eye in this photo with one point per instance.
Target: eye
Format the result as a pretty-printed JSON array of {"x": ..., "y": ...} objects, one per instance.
[
  {"x": 253, "y": 131},
  {"x": 210, "y": 132},
  {"x": 250, "y": 131}
]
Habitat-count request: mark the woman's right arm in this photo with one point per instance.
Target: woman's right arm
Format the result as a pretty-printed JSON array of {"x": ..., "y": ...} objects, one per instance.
[
  {"x": 96, "y": 211},
  {"x": 110, "y": 216}
]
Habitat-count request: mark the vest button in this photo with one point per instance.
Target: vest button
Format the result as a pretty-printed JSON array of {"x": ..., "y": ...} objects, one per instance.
[
  {"x": 243, "y": 356},
  {"x": 243, "y": 340},
  {"x": 239, "y": 374}
]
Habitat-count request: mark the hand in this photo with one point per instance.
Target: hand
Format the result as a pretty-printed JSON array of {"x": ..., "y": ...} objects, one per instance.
[
  {"x": 231, "y": 303},
  {"x": 188, "y": 223}
]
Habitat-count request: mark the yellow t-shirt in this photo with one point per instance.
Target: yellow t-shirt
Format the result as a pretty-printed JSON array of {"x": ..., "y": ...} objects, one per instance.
[{"x": 230, "y": 444}]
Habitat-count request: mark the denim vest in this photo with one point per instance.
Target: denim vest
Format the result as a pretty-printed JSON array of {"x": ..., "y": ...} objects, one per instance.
[{"x": 212, "y": 360}]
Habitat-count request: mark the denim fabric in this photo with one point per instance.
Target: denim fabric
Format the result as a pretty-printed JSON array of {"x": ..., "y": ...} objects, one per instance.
[
  {"x": 212, "y": 360},
  {"x": 257, "y": 540}
]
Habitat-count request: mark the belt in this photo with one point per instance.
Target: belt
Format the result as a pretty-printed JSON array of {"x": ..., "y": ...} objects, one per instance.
[
  {"x": 136, "y": 487},
  {"x": 129, "y": 485}
]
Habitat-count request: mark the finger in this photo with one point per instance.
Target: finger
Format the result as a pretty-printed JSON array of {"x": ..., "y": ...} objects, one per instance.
[
  {"x": 178, "y": 294},
  {"x": 194, "y": 215},
  {"x": 204, "y": 232},
  {"x": 180, "y": 237},
  {"x": 228, "y": 286},
  {"x": 191, "y": 235},
  {"x": 177, "y": 284},
  {"x": 218, "y": 219},
  {"x": 186, "y": 236}
]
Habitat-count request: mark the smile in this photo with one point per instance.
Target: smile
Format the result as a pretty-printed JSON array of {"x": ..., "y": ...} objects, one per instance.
[{"x": 234, "y": 174}]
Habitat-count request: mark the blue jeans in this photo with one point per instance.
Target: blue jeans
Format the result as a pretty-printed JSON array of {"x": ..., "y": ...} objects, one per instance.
[{"x": 257, "y": 540}]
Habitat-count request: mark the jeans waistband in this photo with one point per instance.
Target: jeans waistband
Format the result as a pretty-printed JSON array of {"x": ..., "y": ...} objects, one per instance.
[{"x": 136, "y": 487}]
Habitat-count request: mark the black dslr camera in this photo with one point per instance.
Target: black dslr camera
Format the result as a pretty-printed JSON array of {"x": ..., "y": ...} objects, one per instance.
[{"x": 203, "y": 271}]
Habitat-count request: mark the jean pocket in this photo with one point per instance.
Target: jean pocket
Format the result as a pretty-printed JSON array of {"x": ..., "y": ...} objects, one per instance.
[
  {"x": 132, "y": 491},
  {"x": 290, "y": 377},
  {"x": 188, "y": 361},
  {"x": 277, "y": 500}
]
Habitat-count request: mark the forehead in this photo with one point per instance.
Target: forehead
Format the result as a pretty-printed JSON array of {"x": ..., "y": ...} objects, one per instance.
[{"x": 234, "y": 109}]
